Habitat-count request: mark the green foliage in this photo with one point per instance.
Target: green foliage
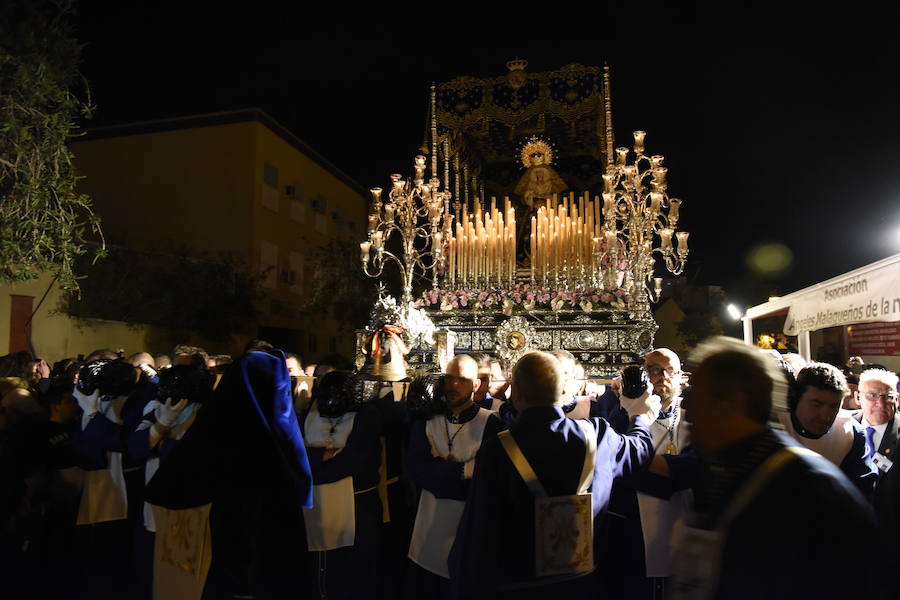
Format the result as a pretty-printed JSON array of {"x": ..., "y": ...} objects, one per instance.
[
  {"x": 696, "y": 326},
  {"x": 339, "y": 282},
  {"x": 213, "y": 297},
  {"x": 42, "y": 218}
]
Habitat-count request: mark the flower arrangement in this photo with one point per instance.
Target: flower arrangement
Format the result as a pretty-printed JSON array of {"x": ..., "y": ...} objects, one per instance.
[{"x": 525, "y": 298}]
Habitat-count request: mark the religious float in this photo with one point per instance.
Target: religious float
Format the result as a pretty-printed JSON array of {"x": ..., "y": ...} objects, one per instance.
[{"x": 522, "y": 228}]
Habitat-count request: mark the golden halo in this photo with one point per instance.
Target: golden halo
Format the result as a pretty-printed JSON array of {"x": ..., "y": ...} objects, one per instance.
[{"x": 536, "y": 145}]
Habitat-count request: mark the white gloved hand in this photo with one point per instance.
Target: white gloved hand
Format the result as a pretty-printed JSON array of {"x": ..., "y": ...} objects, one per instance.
[
  {"x": 89, "y": 404},
  {"x": 167, "y": 414},
  {"x": 648, "y": 404}
]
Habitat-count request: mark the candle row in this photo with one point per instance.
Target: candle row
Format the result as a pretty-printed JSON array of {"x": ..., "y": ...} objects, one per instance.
[
  {"x": 566, "y": 242},
  {"x": 482, "y": 251}
]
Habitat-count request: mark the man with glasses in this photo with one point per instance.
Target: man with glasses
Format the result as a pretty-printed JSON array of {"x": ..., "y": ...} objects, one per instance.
[
  {"x": 645, "y": 506},
  {"x": 878, "y": 416}
]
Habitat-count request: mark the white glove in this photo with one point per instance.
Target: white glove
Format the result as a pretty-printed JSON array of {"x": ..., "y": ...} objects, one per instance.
[
  {"x": 167, "y": 414},
  {"x": 648, "y": 404},
  {"x": 89, "y": 404}
]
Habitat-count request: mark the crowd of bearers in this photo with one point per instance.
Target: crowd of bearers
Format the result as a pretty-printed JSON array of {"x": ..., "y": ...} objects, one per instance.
[{"x": 193, "y": 476}]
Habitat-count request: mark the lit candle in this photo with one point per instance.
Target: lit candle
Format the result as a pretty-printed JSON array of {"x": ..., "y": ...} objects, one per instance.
[
  {"x": 682, "y": 242},
  {"x": 378, "y": 240},
  {"x": 674, "y": 206},
  {"x": 607, "y": 182},
  {"x": 610, "y": 239},
  {"x": 666, "y": 236},
  {"x": 608, "y": 203},
  {"x": 389, "y": 213},
  {"x": 373, "y": 222},
  {"x": 639, "y": 141},
  {"x": 655, "y": 202},
  {"x": 364, "y": 251}
]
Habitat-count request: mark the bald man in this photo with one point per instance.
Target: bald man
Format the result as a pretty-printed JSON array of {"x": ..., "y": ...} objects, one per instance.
[
  {"x": 441, "y": 460},
  {"x": 495, "y": 554},
  {"x": 644, "y": 507}
]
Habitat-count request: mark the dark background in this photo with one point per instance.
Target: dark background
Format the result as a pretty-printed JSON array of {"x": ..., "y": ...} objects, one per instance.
[{"x": 775, "y": 129}]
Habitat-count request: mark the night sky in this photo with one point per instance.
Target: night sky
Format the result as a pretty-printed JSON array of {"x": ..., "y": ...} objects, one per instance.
[{"x": 773, "y": 132}]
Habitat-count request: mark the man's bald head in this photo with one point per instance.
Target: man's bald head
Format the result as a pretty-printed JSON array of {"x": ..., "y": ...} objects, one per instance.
[
  {"x": 460, "y": 382},
  {"x": 141, "y": 358},
  {"x": 567, "y": 363},
  {"x": 462, "y": 365},
  {"x": 664, "y": 370},
  {"x": 537, "y": 381},
  {"x": 664, "y": 353}
]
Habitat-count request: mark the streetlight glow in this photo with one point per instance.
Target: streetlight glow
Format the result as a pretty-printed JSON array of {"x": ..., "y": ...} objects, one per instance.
[{"x": 734, "y": 312}]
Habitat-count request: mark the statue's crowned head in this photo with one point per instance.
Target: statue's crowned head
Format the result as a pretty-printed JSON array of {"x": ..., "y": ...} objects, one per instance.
[{"x": 536, "y": 152}]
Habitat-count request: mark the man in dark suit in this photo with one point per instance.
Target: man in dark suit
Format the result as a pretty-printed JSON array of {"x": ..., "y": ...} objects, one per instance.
[
  {"x": 878, "y": 415},
  {"x": 494, "y": 553},
  {"x": 879, "y": 418}
]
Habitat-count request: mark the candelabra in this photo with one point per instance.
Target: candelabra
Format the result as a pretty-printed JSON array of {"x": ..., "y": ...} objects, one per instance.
[
  {"x": 636, "y": 208},
  {"x": 420, "y": 214}
]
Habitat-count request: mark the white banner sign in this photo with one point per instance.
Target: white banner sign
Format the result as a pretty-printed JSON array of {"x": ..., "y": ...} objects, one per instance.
[{"x": 863, "y": 298}]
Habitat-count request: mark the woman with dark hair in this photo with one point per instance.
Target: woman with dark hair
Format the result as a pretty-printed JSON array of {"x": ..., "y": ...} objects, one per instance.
[{"x": 343, "y": 526}]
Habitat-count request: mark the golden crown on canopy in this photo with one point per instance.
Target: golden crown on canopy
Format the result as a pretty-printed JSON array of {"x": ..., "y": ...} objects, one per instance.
[
  {"x": 516, "y": 76},
  {"x": 517, "y": 64},
  {"x": 536, "y": 146}
]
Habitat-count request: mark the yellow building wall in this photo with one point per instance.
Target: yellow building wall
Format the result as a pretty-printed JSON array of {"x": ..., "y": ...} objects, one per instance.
[
  {"x": 55, "y": 336},
  {"x": 202, "y": 190},
  {"x": 297, "y": 227},
  {"x": 184, "y": 189}
]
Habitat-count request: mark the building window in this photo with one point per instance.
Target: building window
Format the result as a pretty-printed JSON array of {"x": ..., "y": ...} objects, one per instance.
[
  {"x": 319, "y": 204},
  {"x": 321, "y": 223},
  {"x": 298, "y": 211},
  {"x": 270, "y": 175},
  {"x": 297, "y": 264},
  {"x": 270, "y": 188},
  {"x": 268, "y": 263}
]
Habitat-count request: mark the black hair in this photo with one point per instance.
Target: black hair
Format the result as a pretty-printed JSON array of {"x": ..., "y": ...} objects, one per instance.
[
  {"x": 258, "y": 346},
  {"x": 819, "y": 375},
  {"x": 193, "y": 382},
  {"x": 425, "y": 397},
  {"x": 87, "y": 376},
  {"x": 336, "y": 393},
  {"x": 117, "y": 378}
]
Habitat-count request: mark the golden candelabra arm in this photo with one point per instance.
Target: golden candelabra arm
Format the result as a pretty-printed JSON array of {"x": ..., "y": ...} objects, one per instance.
[
  {"x": 637, "y": 209},
  {"x": 414, "y": 211}
]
